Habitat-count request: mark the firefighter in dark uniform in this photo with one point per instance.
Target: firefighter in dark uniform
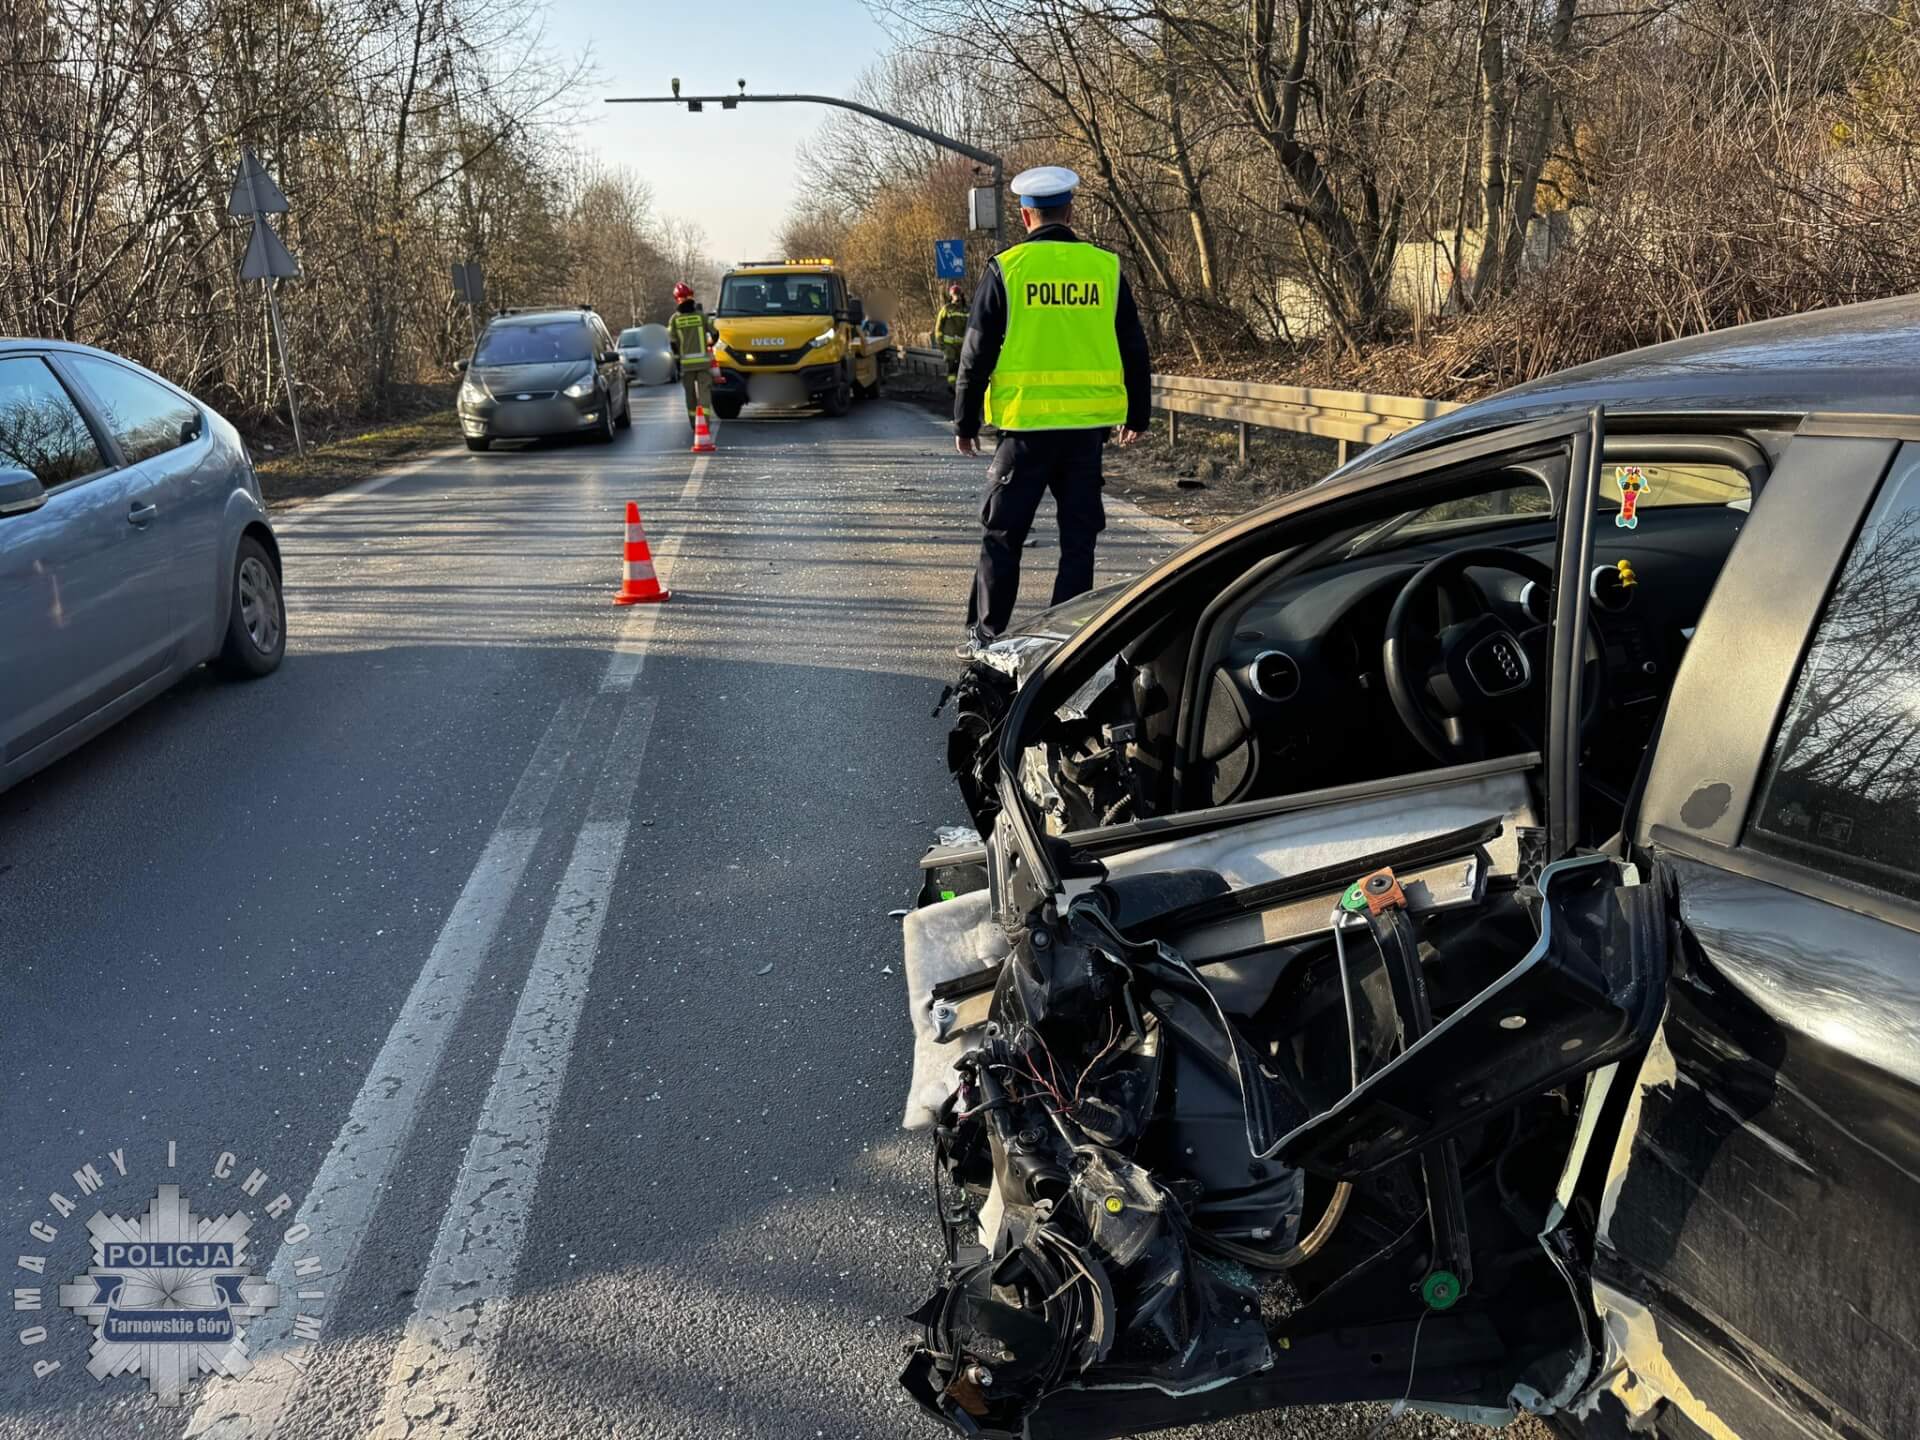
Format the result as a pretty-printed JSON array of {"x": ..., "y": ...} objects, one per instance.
[
  {"x": 1055, "y": 359},
  {"x": 691, "y": 335},
  {"x": 950, "y": 330}
]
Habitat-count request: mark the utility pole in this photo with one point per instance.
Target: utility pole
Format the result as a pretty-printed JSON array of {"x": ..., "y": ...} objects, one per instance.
[{"x": 696, "y": 103}]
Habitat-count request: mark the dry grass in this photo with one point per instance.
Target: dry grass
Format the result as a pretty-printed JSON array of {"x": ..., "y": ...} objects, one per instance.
[{"x": 353, "y": 456}]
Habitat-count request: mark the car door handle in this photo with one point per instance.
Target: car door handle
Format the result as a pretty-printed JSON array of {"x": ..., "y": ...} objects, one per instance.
[{"x": 141, "y": 514}]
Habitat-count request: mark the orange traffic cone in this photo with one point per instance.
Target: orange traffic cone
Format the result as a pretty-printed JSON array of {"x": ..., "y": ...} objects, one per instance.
[
  {"x": 702, "y": 436},
  {"x": 638, "y": 585}
]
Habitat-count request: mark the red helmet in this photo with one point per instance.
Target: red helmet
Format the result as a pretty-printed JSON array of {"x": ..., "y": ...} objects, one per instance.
[
  {"x": 682, "y": 291},
  {"x": 953, "y": 292}
]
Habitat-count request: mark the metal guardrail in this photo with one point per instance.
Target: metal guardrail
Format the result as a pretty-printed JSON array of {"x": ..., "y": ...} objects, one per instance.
[{"x": 1349, "y": 417}]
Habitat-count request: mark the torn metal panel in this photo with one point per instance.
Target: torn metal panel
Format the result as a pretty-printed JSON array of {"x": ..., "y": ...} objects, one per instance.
[{"x": 1640, "y": 1375}]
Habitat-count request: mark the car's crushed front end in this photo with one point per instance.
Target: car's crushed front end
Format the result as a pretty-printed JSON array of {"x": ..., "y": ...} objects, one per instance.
[{"x": 1258, "y": 1114}]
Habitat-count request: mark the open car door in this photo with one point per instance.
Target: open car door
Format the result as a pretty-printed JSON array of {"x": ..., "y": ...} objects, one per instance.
[{"x": 1270, "y": 1105}]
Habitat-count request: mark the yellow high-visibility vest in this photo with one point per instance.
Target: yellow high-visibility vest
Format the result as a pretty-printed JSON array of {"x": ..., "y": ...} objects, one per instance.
[
  {"x": 690, "y": 337},
  {"x": 1059, "y": 367}
]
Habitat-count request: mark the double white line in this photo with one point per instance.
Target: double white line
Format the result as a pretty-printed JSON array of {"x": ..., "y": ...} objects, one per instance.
[{"x": 437, "y": 1380}]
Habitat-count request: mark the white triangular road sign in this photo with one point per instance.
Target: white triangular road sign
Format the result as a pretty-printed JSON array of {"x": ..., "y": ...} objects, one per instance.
[
  {"x": 266, "y": 256},
  {"x": 254, "y": 192}
]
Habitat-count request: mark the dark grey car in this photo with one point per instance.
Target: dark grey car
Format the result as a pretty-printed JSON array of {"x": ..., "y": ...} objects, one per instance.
[
  {"x": 133, "y": 547},
  {"x": 543, "y": 372},
  {"x": 1452, "y": 935}
]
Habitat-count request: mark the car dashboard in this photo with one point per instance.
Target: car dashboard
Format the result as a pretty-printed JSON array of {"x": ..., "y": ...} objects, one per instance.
[{"x": 1300, "y": 690}]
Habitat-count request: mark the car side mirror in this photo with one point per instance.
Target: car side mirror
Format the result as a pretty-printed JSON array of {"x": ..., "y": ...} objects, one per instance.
[
  {"x": 459, "y": 367},
  {"x": 190, "y": 429},
  {"x": 609, "y": 357},
  {"x": 857, "y": 310},
  {"x": 20, "y": 491}
]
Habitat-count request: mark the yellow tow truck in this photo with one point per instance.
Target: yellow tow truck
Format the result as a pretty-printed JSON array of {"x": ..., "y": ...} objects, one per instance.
[{"x": 790, "y": 334}]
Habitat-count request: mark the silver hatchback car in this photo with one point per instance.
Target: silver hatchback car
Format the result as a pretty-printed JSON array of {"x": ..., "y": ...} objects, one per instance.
[{"x": 134, "y": 545}]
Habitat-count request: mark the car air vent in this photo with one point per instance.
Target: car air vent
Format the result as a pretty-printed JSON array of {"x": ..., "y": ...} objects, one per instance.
[
  {"x": 1274, "y": 675},
  {"x": 1611, "y": 590}
]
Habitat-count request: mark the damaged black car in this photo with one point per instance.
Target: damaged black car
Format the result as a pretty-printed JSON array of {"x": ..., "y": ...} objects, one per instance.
[{"x": 1450, "y": 936}]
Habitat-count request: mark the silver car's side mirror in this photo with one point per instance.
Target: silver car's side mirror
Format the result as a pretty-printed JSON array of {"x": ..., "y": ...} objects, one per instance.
[{"x": 20, "y": 491}]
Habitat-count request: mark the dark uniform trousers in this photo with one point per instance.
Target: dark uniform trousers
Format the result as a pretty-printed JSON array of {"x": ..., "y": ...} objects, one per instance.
[{"x": 1026, "y": 465}]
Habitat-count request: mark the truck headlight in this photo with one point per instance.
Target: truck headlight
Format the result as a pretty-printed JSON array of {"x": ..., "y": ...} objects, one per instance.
[
  {"x": 581, "y": 388},
  {"x": 825, "y": 337}
]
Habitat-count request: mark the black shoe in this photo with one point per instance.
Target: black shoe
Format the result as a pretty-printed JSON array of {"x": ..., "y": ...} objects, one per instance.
[{"x": 977, "y": 640}]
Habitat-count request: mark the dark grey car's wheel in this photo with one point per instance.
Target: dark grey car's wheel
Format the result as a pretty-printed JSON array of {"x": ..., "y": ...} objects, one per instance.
[
  {"x": 626, "y": 408},
  {"x": 478, "y": 442},
  {"x": 257, "y": 616},
  {"x": 603, "y": 432}
]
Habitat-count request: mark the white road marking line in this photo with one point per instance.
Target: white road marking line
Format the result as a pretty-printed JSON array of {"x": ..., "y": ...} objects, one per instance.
[
  {"x": 438, "y": 1380},
  {"x": 340, "y": 1203},
  {"x": 695, "y": 479}
]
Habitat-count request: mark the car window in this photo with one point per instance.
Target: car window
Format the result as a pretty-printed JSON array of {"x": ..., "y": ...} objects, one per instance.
[
  {"x": 1842, "y": 787},
  {"x": 629, "y": 339},
  {"x": 41, "y": 429},
  {"x": 147, "y": 419},
  {"x": 542, "y": 343}
]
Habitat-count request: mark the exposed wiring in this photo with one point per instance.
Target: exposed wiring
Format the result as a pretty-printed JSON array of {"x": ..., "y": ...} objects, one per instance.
[
  {"x": 1400, "y": 1406},
  {"x": 1101, "y": 1054}
]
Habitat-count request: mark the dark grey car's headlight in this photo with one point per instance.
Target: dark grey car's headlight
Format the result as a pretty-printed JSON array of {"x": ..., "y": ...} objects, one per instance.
[{"x": 583, "y": 387}]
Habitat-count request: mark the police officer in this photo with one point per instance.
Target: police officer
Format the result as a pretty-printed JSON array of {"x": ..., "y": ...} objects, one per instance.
[
  {"x": 691, "y": 335},
  {"x": 950, "y": 329},
  {"x": 1055, "y": 358}
]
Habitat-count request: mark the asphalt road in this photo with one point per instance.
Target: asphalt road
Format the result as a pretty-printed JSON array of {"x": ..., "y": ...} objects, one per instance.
[{"x": 537, "y": 951}]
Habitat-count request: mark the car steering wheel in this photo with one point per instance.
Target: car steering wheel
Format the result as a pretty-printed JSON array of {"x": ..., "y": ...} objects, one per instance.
[{"x": 1454, "y": 683}]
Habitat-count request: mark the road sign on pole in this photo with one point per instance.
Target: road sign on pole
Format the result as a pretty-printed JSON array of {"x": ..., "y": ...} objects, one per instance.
[
  {"x": 950, "y": 258},
  {"x": 254, "y": 192},
  {"x": 267, "y": 260},
  {"x": 983, "y": 208},
  {"x": 468, "y": 284}
]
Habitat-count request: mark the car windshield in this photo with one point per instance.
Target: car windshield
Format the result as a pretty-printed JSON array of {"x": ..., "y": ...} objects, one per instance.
[
  {"x": 541, "y": 343},
  {"x": 629, "y": 339},
  {"x": 1650, "y": 485},
  {"x": 777, "y": 295}
]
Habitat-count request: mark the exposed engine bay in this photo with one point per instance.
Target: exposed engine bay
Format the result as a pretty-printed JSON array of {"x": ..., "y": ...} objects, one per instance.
[{"x": 1209, "y": 1143}]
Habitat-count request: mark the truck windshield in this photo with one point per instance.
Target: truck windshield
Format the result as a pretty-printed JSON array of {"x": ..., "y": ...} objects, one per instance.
[
  {"x": 540, "y": 344},
  {"x": 777, "y": 295}
]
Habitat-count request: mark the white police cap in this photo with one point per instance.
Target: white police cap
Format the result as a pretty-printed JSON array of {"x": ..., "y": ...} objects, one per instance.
[{"x": 1045, "y": 187}]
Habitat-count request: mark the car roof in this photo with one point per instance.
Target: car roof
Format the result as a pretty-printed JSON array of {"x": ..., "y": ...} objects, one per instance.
[
  {"x": 536, "y": 317},
  {"x": 27, "y": 342},
  {"x": 1857, "y": 358}
]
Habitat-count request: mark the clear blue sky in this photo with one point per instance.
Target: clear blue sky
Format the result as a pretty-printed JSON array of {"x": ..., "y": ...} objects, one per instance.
[{"x": 729, "y": 170}]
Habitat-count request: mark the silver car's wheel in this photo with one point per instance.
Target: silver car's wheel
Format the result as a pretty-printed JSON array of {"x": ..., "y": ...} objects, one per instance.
[
  {"x": 257, "y": 617},
  {"x": 260, "y": 604}
]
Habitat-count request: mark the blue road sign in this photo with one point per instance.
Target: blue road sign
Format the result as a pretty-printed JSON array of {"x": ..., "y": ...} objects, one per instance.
[{"x": 951, "y": 258}]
